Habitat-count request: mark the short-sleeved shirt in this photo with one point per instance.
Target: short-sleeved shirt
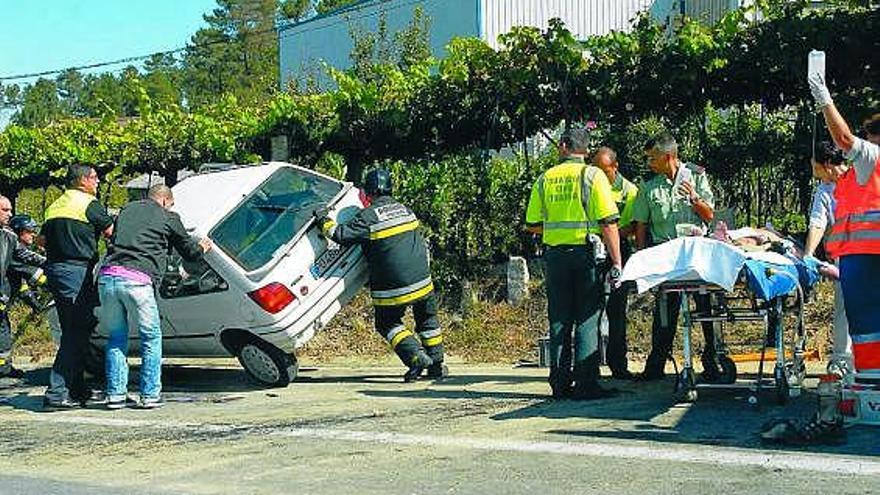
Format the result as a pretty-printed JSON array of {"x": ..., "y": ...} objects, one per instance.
[
  {"x": 822, "y": 209},
  {"x": 72, "y": 225},
  {"x": 864, "y": 155},
  {"x": 625, "y": 193},
  {"x": 600, "y": 205},
  {"x": 662, "y": 208}
]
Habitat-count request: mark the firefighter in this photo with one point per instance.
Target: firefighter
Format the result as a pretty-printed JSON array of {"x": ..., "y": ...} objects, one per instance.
[
  {"x": 569, "y": 205},
  {"x": 400, "y": 274}
]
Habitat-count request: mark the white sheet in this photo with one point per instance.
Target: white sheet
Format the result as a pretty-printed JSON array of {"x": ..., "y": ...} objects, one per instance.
[{"x": 685, "y": 259}]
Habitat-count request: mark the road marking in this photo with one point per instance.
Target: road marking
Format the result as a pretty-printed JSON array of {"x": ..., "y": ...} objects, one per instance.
[{"x": 639, "y": 450}]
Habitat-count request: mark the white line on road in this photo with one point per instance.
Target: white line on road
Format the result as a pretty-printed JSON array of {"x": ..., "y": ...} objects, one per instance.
[{"x": 622, "y": 449}]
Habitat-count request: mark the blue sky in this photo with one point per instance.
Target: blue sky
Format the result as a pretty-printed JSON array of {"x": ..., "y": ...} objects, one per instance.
[{"x": 38, "y": 35}]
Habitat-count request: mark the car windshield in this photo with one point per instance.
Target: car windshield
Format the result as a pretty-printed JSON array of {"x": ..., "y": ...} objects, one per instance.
[{"x": 272, "y": 215}]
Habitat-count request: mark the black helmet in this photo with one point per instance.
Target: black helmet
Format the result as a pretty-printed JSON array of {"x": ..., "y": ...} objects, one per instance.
[
  {"x": 20, "y": 223},
  {"x": 378, "y": 182}
]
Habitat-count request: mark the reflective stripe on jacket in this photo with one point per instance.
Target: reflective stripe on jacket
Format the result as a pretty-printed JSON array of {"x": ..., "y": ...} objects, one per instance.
[
  {"x": 395, "y": 249},
  {"x": 568, "y": 201},
  {"x": 856, "y": 227}
]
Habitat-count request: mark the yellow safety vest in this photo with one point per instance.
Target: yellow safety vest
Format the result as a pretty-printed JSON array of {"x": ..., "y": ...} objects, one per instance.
[{"x": 563, "y": 194}]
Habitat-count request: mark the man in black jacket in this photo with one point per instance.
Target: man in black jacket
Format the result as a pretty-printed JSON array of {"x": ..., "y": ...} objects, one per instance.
[
  {"x": 10, "y": 251},
  {"x": 400, "y": 274},
  {"x": 136, "y": 259}
]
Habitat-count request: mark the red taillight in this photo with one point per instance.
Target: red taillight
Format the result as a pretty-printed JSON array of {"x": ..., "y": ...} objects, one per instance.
[
  {"x": 273, "y": 297},
  {"x": 847, "y": 407}
]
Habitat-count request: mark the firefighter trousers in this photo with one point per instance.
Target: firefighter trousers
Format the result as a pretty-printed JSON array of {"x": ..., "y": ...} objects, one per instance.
[{"x": 406, "y": 343}]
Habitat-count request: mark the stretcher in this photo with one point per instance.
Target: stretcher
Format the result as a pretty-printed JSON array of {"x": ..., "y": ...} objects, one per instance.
[{"x": 741, "y": 287}]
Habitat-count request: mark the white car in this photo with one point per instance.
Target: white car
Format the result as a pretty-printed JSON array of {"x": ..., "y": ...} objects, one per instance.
[{"x": 271, "y": 280}]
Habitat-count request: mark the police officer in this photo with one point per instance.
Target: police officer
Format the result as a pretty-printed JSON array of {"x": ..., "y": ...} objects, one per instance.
[
  {"x": 569, "y": 204},
  {"x": 624, "y": 193},
  {"x": 678, "y": 193},
  {"x": 10, "y": 251},
  {"x": 400, "y": 274}
]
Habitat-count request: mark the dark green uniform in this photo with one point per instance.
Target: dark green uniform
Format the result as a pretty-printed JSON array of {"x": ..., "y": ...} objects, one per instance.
[
  {"x": 624, "y": 193},
  {"x": 569, "y": 201}
]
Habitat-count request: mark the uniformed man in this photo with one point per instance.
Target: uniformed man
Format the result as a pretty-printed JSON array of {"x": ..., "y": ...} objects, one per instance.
[
  {"x": 570, "y": 203},
  {"x": 624, "y": 193},
  {"x": 71, "y": 229},
  {"x": 10, "y": 251},
  {"x": 679, "y": 193},
  {"x": 400, "y": 274}
]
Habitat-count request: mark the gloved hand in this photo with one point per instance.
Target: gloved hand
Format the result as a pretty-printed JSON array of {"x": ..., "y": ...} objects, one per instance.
[
  {"x": 819, "y": 90},
  {"x": 320, "y": 213},
  {"x": 614, "y": 274}
]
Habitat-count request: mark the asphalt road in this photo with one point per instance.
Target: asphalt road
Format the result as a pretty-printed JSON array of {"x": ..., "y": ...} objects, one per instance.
[{"x": 360, "y": 430}]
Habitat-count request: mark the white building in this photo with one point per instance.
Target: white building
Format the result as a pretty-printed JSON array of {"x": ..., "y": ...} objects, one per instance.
[{"x": 305, "y": 46}]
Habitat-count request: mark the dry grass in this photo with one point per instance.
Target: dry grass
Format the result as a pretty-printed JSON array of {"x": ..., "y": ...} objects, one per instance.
[{"x": 486, "y": 332}]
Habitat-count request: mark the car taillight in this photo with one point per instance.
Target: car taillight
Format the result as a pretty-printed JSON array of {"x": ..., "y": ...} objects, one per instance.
[{"x": 273, "y": 297}]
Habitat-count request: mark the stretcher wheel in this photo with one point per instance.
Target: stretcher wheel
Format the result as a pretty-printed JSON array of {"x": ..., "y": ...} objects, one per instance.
[
  {"x": 728, "y": 370},
  {"x": 685, "y": 386},
  {"x": 782, "y": 388}
]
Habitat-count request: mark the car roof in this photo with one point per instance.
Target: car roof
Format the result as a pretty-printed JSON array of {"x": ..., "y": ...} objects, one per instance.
[{"x": 204, "y": 199}]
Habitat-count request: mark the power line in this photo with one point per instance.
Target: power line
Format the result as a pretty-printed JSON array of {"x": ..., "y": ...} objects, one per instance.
[
  {"x": 352, "y": 8},
  {"x": 129, "y": 59}
]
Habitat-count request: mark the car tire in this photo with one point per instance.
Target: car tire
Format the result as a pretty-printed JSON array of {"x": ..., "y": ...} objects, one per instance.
[{"x": 266, "y": 364}]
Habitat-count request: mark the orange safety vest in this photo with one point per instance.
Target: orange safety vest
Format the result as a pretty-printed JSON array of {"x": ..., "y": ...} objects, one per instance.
[{"x": 856, "y": 227}]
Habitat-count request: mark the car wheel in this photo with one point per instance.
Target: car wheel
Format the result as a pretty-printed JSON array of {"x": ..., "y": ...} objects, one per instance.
[{"x": 267, "y": 364}]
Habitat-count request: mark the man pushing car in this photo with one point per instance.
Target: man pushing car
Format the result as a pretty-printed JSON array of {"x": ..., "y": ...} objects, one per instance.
[{"x": 400, "y": 274}]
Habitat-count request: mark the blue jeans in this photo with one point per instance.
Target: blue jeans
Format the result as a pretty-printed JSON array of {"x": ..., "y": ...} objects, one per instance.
[{"x": 122, "y": 302}]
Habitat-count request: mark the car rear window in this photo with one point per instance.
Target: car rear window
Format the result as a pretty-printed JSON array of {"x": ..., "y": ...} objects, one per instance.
[{"x": 272, "y": 215}]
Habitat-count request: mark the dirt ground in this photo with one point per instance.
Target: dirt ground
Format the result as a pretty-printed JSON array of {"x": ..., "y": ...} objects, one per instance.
[{"x": 486, "y": 429}]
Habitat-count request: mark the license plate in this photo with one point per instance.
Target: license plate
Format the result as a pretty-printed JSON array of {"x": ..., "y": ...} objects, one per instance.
[{"x": 326, "y": 260}]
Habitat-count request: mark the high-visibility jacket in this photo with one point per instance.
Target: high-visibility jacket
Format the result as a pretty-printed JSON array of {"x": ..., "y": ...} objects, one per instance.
[
  {"x": 396, "y": 252},
  {"x": 568, "y": 201},
  {"x": 856, "y": 227}
]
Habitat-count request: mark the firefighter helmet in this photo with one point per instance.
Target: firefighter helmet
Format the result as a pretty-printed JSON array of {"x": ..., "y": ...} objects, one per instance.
[{"x": 378, "y": 182}]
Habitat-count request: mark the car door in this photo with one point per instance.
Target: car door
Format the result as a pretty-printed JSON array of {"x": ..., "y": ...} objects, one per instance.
[{"x": 194, "y": 301}]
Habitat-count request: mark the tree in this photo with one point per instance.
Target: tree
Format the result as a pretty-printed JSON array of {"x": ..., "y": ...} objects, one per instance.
[
  {"x": 327, "y": 6},
  {"x": 237, "y": 53},
  {"x": 40, "y": 105},
  {"x": 294, "y": 10}
]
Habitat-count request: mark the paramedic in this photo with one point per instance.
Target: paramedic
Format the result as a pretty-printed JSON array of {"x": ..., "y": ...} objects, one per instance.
[
  {"x": 855, "y": 236},
  {"x": 569, "y": 205},
  {"x": 828, "y": 165},
  {"x": 400, "y": 274}
]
